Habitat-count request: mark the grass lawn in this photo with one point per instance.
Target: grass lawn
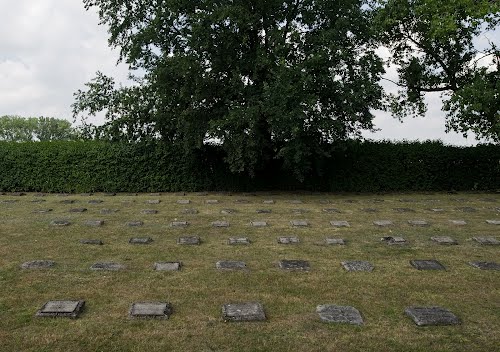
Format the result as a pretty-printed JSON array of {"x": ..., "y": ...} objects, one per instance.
[{"x": 198, "y": 291}]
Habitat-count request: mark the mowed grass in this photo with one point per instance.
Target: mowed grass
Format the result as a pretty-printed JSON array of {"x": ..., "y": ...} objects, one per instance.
[{"x": 199, "y": 290}]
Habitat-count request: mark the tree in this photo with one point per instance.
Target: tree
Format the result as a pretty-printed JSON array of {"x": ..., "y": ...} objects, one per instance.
[
  {"x": 20, "y": 129},
  {"x": 435, "y": 45},
  {"x": 266, "y": 79}
]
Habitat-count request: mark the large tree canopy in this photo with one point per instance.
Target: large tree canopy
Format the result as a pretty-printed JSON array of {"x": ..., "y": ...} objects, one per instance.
[
  {"x": 21, "y": 129},
  {"x": 265, "y": 78},
  {"x": 440, "y": 46}
]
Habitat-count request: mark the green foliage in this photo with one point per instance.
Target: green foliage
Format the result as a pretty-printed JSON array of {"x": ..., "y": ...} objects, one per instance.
[
  {"x": 265, "y": 79},
  {"x": 20, "y": 129},
  {"x": 353, "y": 166},
  {"x": 435, "y": 44}
]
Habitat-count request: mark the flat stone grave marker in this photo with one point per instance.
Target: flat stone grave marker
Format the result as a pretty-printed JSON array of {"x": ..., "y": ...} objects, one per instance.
[
  {"x": 350, "y": 201},
  {"x": 493, "y": 222},
  {"x": 264, "y": 211},
  {"x": 296, "y": 201},
  {"x": 394, "y": 240},
  {"x": 107, "y": 266},
  {"x": 77, "y": 210},
  {"x": 458, "y": 222},
  {"x": 153, "y": 201},
  {"x": 335, "y": 241},
  {"x": 42, "y": 211},
  {"x": 429, "y": 264},
  {"x": 324, "y": 201},
  {"x": 358, "y": 265},
  {"x": 466, "y": 209},
  {"x": 135, "y": 223},
  {"x": 95, "y": 201},
  {"x": 486, "y": 265},
  {"x": 38, "y": 201},
  {"x": 94, "y": 223},
  {"x": 377, "y": 200},
  {"x": 60, "y": 223},
  {"x": 444, "y": 240},
  {"x": 299, "y": 223},
  {"x": 150, "y": 310},
  {"x": 230, "y": 265},
  {"x": 190, "y": 240},
  {"x": 238, "y": 241},
  {"x": 67, "y": 309},
  {"x": 189, "y": 211},
  {"x": 228, "y": 211},
  {"x": 299, "y": 211},
  {"x": 383, "y": 223},
  {"x": 247, "y": 311},
  {"x": 242, "y": 201},
  {"x": 331, "y": 210},
  {"x": 179, "y": 224},
  {"x": 90, "y": 241},
  {"x": 108, "y": 211},
  {"x": 183, "y": 201},
  {"x": 149, "y": 211},
  {"x": 258, "y": 223},
  {"x": 140, "y": 240},
  {"x": 167, "y": 266},
  {"x": 408, "y": 200},
  {"x": 404, "y": 210},
  {"x": 131, "y": 194},
  {"x": 155, "y": 194},
  {"x": 421, "y": 223},
  {"x": 370, "y": 210},
  {"x": 342, "y": 223},
  {"x": 295, "y": 265},
  {"x": 212, "y": 201},
  {"x": 268, "y": 201},
  {"x": 201, "y": 194},
  {"x": 68, "y": 201},
  {"x": 220, "y": 223},
  {"x": 288, "y": 240},
  {"x": 109, "y": 194},
  {"x": 331, "y": 313},
  {"x": 491, "y": 241},
  {"x": 437, "y": 210},
  {"x": 38, "y": 264},
  {"x": 430, "y": 316}
]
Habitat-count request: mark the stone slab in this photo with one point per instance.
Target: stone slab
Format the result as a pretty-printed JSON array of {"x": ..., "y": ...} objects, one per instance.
[
  {"x": 140, "y": 240},
  {"x": 38, "y": 264},
  {"x": 268, "y": 201},
  {"x": 150, "y": 310},
  {"x": 153, "y": 201},
  {"x": 91, "y": 241},
  {"x": 107, "y": 266},
  {"x": 340, "y": 223},
  {"x": 431, "y": 316},
  {"x": 331, "y": 313},
  {"x": 183, "y": 201},
  {"x": 179, "y": 224},
  {"x": 212, "y": 201},
  {"x": 77, "y": 210},
  {"x": 383, "y": 223},
  {"x": 42, "y": 211},
  {"x": 228, "y": 211},
  {"x": 190, "y": 240},
  {"x": 242, "y": 201},
  {"x": 60, "y": 223},
  {"x": 230, "y": 265},
  {"x": 189, "y": 211},
  {"x": 220, "y": 224},
  {"x": 295, "y": 265},
  {"x": 167, "y": 266},
  {"x": 404, "y": 210},
  {"x": 429, "y": 264},
  {"x": 108, "y": 211},
  {"x": 149, "y": 211},
  {"x": 486, "y": 265},
  {"x": 95, "y": 201},
  {"x": 458, "y": 222},
  {"x": 263, "y": 211},
  {"x": 94, "y": 223},
  {"x": 493, "y": 222},
  {"x": 299, "y": 211},
  {"x": 394, "y": 240},
  {"x": 296, "y": 201},
  {"x": 135, "y": 223},
  {"x": 335, "y": 241},
  {"x": 258, "y": 223},
  {"x": 331, "y": 210},
  {"x": 299, "y": 223},
  {"x": 358, "y": 265},
  {"x": 490, "y": 241},
  {"x": 437, "y": 210},
  {"x": 444, "y": 240},
  {"x": 247, "y": 311},
  {"x": 68, "y": 201},
  {"x": 68, "y": 309},
  {"x": 370, "y": 210},
  {"x": 238, "y": 241},
  {"x": 421, "y": 223},
  {"x": 288, "y": 240}
]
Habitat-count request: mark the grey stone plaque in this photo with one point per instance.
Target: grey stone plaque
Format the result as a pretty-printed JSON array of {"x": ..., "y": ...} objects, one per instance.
[
  {"x": 370, "y": 210},
  {"x": 437, "y": 210},
  {"x": 247, "y": 311},
  {"x": 77, "y": 210},
  {"x": 351, "y": 201},
  {"x": 491, "y": 241},
  {"x": 140, "y": 240},
  {"x": 335, "y": 241},
  {"x": 358, "y": 265},
  {"x": 134, "y": 223},
  {"x": 296, "y": 201},
  {"x": 68, "y": 201},
  {"x": 486, "y": 265},
  {"x": 95, "y": 201},
  {"x": 68, "y": 309},
  {"x": 242, "y": 201},
  {"x": 38, "y": 201},
  {"x": 149, "y": 211},
  {"x": 42, "y": 211},
  {"x": 153, "y": 201},
  {"x": 421, "y": 223},
  {"x": 107, "y": 266},
  {"x": 150, "y": 310},
  {"x": 425, "y": 316},
  {"x": 220, "y": 224},
  {"x": 258, "y": 223},
  {"x": 340, "y": 223},
  {"x": 60, "y": 223},
  {"x": 458, "y": 222},
  {"x": 155, "y": 194},
  {"x": 331, "y": 313},
  {"x": 212, "y": 201},
  {"x": 394, "y": 240},
  {"x": 429, "y": 264},
  {"x": 94, "y": 223},
  {"x": 38, "y": 264},
  {"x": 296, "y": 265},
  {"x": 190, "y": 240},
  {"x": 167, "y": 266},
  {"x": 179, "y": 224},
  {"x": 493, "y": 222},
  {"x": 288, "y": 240},
  {"x": 189, "y": 211},
  {"x": 445, "y": 240},
  {"x": 383, "y": 223},
  {"x": 264, "y": 211},
  {"x": 331, "y": 210},
  {"x": 404, "y": 210},
  {"x": 90, "y": 241},
  {"x": 299, "y": 223},
  {"x": 108, "y": 211},
  {"x": 183, "y": 201},
  {"x": 268, "y": 201},
  {"x": 230, "y": 265},
  {"x": 238, "y": 241},
  {"x": 228, "y": 211}
]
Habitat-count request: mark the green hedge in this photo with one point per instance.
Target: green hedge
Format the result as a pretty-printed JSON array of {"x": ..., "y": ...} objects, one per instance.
[{"x": 351, "y": 167}]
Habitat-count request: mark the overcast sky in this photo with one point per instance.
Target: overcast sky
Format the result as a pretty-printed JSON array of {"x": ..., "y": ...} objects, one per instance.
[{"x": 50, "y": 48}]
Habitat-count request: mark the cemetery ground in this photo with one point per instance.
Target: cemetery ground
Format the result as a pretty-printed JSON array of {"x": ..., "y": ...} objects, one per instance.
[{"x": 197, "y": 292}]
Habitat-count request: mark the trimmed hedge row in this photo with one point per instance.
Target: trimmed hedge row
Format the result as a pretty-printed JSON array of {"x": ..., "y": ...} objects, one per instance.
[{"x": 352, "y": 167}]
